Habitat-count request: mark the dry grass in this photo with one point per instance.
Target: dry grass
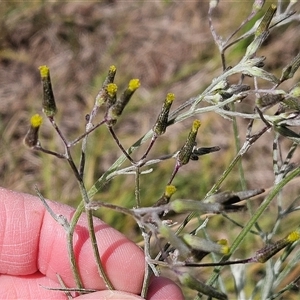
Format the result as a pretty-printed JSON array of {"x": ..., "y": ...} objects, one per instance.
[{"x": 167, "y": 45}]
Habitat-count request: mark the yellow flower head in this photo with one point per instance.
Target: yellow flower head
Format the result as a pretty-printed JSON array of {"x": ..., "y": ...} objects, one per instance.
[
  {"x": 170, "y": 190},
  {"x": 32, "y": 136},
  {"x": 112, "y": 68},
  {"x": 196, "y": 125},
  {"x": 293, "y": 236},
  {"x": 36, "y": 121},
  {"x": 225, "y": 247},
  {"x": 111, "y": 89},
  {"x": 133, "y": 84},
  {"x": 170, "y": 97},
  {"x": 44, "y": 71}
]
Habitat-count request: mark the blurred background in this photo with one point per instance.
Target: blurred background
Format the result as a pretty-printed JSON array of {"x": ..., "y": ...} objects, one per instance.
[{"x": 168, "y": 46}]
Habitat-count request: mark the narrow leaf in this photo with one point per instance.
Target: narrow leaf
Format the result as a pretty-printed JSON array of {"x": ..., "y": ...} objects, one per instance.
[{"x": 289, "y": 71}]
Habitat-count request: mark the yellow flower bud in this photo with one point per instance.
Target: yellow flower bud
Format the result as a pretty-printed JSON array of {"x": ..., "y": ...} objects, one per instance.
[
  {"x": 31, "y": 138},
  {"x": 36, "y": 120},
  {"x": 133, "y": 85},
  {"x": 49, "y": 106},
  {"x": 111, "y": 89},
  {"x": 293, "y": 237},
  {"x": 44, "y": 71}
]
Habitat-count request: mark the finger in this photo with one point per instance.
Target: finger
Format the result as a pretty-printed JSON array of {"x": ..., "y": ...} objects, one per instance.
[
  {"x": 36, "y": 286},
  {"x": 159, "y": 288},
  {"x": 29, "y": 287},
  {"x": 33, "y": 240},
  {"x": 163, "y": 288}
]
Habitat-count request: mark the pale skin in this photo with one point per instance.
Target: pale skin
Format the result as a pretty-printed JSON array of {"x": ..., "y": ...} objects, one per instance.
[{"x": 33, "y": 250}]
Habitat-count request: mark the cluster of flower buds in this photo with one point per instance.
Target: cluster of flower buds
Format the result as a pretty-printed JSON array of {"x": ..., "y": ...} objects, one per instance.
[
  {"x": 49, "y": 108},
  {"x": 103, "y": 96},
  {"x": 117, "y": 108},
  {"x": 107, "y": 95}
]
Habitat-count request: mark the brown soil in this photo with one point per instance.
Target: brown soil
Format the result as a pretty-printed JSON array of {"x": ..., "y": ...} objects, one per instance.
[{"x": 167, "y": 45}]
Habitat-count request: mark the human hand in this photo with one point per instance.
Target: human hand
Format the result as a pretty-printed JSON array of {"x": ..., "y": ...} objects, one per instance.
[{"x": 33, "y": 250}]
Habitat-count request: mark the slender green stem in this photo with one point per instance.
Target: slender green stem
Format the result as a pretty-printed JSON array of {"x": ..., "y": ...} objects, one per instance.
[
  {"x": 70, "y": 232},
  {"x": 70, "y": 235},
  {"x": 74, "y": 265},
  {"x": 79, "y": 210},
  {"x": 100, "y": 267},
  {"x": 148, "y": 271},
  {"x": 92, "y": 235},
  {"x": 113, "y": 134},
  {"x": 145, "y": 235},
  {"x": 137, "y": 187},
  {"x": 238, "y": 146}
]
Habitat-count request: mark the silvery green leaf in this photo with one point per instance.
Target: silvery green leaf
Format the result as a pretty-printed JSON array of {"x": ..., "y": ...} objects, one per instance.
[
  {"x": 256, "y": 61},
  {"x": 232, "y": 197},
  {"x": 223, "y": 197},
  {"x": 295, "y": 90},
  {"x": 255, "y": 45},
  {"x": 239, "y": 274},
  {"x": 201, "y": 244},
  {"x": 292, "y": 119},
  {"x": 222, "y": 85},
  {"x": 214, "y": 99},
  {"x": 174, "y": 240},
  {"x": 188, "y": 205},
  {"x": 289, "y": 71},
  {"x": 258, "y": 72},
  {"x": 249, "y": 193},
  {"x": 205, "y": 150},
  {"x": 284, "y": 131},
  {"x": 291, "y": 103},
  {"x": 261, "y": 32}
]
